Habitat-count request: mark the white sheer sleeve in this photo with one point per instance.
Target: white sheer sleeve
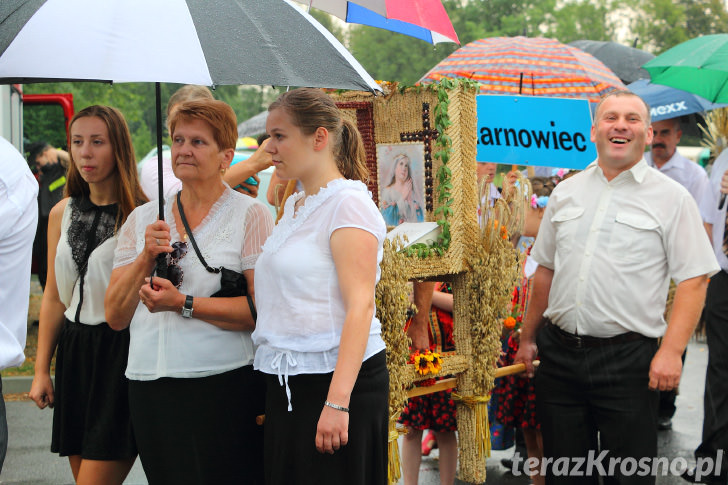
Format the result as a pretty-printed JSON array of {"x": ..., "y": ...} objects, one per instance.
[
  {"x": 127, "y": 242},
  {"x": 357, "y": 209},
  {"x": 258, "y": 226}
]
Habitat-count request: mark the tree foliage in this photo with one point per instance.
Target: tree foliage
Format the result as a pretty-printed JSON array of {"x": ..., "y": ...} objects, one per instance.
[
  {"x": 583, "y": 19},
  {"x": 662, "y": 24},
  {"x": 659, "y": 24},
  {"x": 477, "y": 19},
  {"x": 136, "y": 101}
]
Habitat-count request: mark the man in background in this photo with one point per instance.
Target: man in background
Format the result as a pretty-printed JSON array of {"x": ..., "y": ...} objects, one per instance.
[
  {"x": 715, "y": 405},
  {"x": 665, "y": 158},
  {"x": 18, "y": 221},
  {"x": 52, "y": 179}
]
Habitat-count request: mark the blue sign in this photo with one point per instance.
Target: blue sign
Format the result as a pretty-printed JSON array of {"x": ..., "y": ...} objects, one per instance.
[{"x": 530, "y": 130}]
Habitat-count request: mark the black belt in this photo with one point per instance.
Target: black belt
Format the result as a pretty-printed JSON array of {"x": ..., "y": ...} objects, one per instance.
[{"x": 585, "y": 341}]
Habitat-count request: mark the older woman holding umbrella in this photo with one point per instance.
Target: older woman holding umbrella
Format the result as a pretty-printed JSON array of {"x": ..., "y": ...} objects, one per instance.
[{"x": 193, "y": 393}]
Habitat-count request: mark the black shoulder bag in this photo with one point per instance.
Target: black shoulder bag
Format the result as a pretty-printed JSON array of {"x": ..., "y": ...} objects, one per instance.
[{"x": 232, "y": 283}]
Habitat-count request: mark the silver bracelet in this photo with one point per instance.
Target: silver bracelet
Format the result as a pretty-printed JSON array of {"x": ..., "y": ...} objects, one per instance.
[{"x": 336, "y": 406}]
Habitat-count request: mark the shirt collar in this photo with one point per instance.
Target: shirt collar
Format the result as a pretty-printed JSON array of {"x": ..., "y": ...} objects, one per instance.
[
  {"x": 638, "y": 171},
  {"x": 676, "y": 161}
]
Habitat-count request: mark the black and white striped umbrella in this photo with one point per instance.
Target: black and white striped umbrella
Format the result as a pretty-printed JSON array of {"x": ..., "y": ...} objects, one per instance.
[{"x": 205, "y": 42}]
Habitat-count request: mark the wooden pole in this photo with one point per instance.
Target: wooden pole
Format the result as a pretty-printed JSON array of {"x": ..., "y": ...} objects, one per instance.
[{"x": 452, "y": 381}]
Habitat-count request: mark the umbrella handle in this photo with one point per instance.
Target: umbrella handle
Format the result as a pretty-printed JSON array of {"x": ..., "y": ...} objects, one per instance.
[{"x": 160, "y": 169}]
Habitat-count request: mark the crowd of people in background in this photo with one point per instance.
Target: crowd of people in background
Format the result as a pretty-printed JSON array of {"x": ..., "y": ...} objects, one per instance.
[{"x": 202, "y": 342}]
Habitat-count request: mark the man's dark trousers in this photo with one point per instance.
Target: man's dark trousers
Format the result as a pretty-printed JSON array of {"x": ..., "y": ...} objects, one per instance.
[
  {"x": 596, "y": 398},
  {"x": 715, "y": 420}
]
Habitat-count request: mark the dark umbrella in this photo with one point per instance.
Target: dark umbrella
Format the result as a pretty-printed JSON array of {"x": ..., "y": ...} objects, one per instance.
[
  {"x": 253, "y": 126},
  {"x": 626, "y": 62},
  {"x": 204, "y": 42}
]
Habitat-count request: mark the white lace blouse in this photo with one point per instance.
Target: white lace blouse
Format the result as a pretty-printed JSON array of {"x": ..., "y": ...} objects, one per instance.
[
  {"x": 166, "y": 344},
  {"x": 74, "y": 265},
  {"x": 300, "y": 308}
]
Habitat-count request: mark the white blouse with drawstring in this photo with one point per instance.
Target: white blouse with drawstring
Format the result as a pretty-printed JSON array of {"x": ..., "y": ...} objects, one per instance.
[{"x": 301, "y": 311}]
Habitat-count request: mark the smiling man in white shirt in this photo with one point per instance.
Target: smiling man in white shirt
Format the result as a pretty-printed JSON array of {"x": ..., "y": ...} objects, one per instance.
[{"x": 611, "y": 239}]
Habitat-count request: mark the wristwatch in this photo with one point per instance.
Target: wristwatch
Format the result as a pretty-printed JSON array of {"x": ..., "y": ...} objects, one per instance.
[{"x": 187, "y": 308}]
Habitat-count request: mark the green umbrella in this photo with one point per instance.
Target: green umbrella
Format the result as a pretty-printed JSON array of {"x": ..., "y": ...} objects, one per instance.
[{"x": 698, "y": 66}]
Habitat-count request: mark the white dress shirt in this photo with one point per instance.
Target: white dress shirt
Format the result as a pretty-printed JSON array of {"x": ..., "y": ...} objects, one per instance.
[
  {"x": 165, "y": 344},
  {"x": 149, "y": 178},
  {"x": 688, "y": 174},
  {"x": 301, "y": 310},
  {"x": 614, "y": 245},
  {"x": 18, "y": 222},
  {"x": 715, "y": 216}
]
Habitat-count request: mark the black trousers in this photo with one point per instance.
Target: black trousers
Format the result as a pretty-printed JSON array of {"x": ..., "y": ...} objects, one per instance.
[
  {"x": 715, "y": 421},
  {"x": 3, "y": 428},
  {"x": 590, "y": 400}
]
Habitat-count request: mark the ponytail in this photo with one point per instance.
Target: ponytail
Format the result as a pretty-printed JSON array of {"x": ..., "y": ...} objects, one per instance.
[
  {"x": 350, "y": 156},
  {"x": 311, "y": 108}
]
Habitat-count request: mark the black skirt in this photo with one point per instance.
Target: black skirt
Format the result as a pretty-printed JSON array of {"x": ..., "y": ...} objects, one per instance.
[
  {"x": 200, "y": 430},
  {"x": 290, "y": 449},
  {"x": 91, "y": 411}
]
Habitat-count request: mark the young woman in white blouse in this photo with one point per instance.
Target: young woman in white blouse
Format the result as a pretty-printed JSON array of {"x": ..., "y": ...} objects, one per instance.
[
  {"x": 317, "y": 336},
  {"x": 91, "y": 423},
  {"x": 193, "y": 393}
]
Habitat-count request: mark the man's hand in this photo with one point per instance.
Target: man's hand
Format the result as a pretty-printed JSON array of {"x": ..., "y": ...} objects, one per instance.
[
  {"x": 527, "y": 352},
  {"x": 665, "y": 370},
  {"x": 724, "y": 183}
]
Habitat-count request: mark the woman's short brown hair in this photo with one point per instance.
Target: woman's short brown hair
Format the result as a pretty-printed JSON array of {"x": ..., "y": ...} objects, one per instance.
[{"x": 219, "y": 115}]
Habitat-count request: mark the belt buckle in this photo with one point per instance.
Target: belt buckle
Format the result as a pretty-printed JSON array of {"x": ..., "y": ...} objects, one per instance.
[{"x": 578, "y": 341}]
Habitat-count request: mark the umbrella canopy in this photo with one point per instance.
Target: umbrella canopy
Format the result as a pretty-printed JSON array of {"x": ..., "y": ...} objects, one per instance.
[
  {"x": 423, "y": 19},
  {"x": 698, "y": 65},
  {"x": 253, "y": 126},
  {"x": 666, "y": 102},
  {"x": 205, "y": 42},
  {"x": 624, "y": 61},
  {"x": 531, "y": 66}
]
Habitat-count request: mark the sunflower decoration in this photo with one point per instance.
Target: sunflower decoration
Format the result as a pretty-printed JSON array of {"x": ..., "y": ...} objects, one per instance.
[{"x": 427, "y": 362}]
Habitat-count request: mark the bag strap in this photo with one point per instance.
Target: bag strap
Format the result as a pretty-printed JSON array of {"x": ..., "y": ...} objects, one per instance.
[{"x": 191, "y": 238}]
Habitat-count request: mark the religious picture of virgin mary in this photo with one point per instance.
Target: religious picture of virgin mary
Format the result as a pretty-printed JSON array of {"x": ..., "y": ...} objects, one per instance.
[{"x": 402, "y": 182}]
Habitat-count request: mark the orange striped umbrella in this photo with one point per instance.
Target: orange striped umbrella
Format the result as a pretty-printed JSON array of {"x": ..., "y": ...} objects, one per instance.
[{"x": 528, "y": 66}]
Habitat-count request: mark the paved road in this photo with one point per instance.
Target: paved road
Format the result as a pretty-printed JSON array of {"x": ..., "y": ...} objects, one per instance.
[{"x": 29, "y": 461}]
